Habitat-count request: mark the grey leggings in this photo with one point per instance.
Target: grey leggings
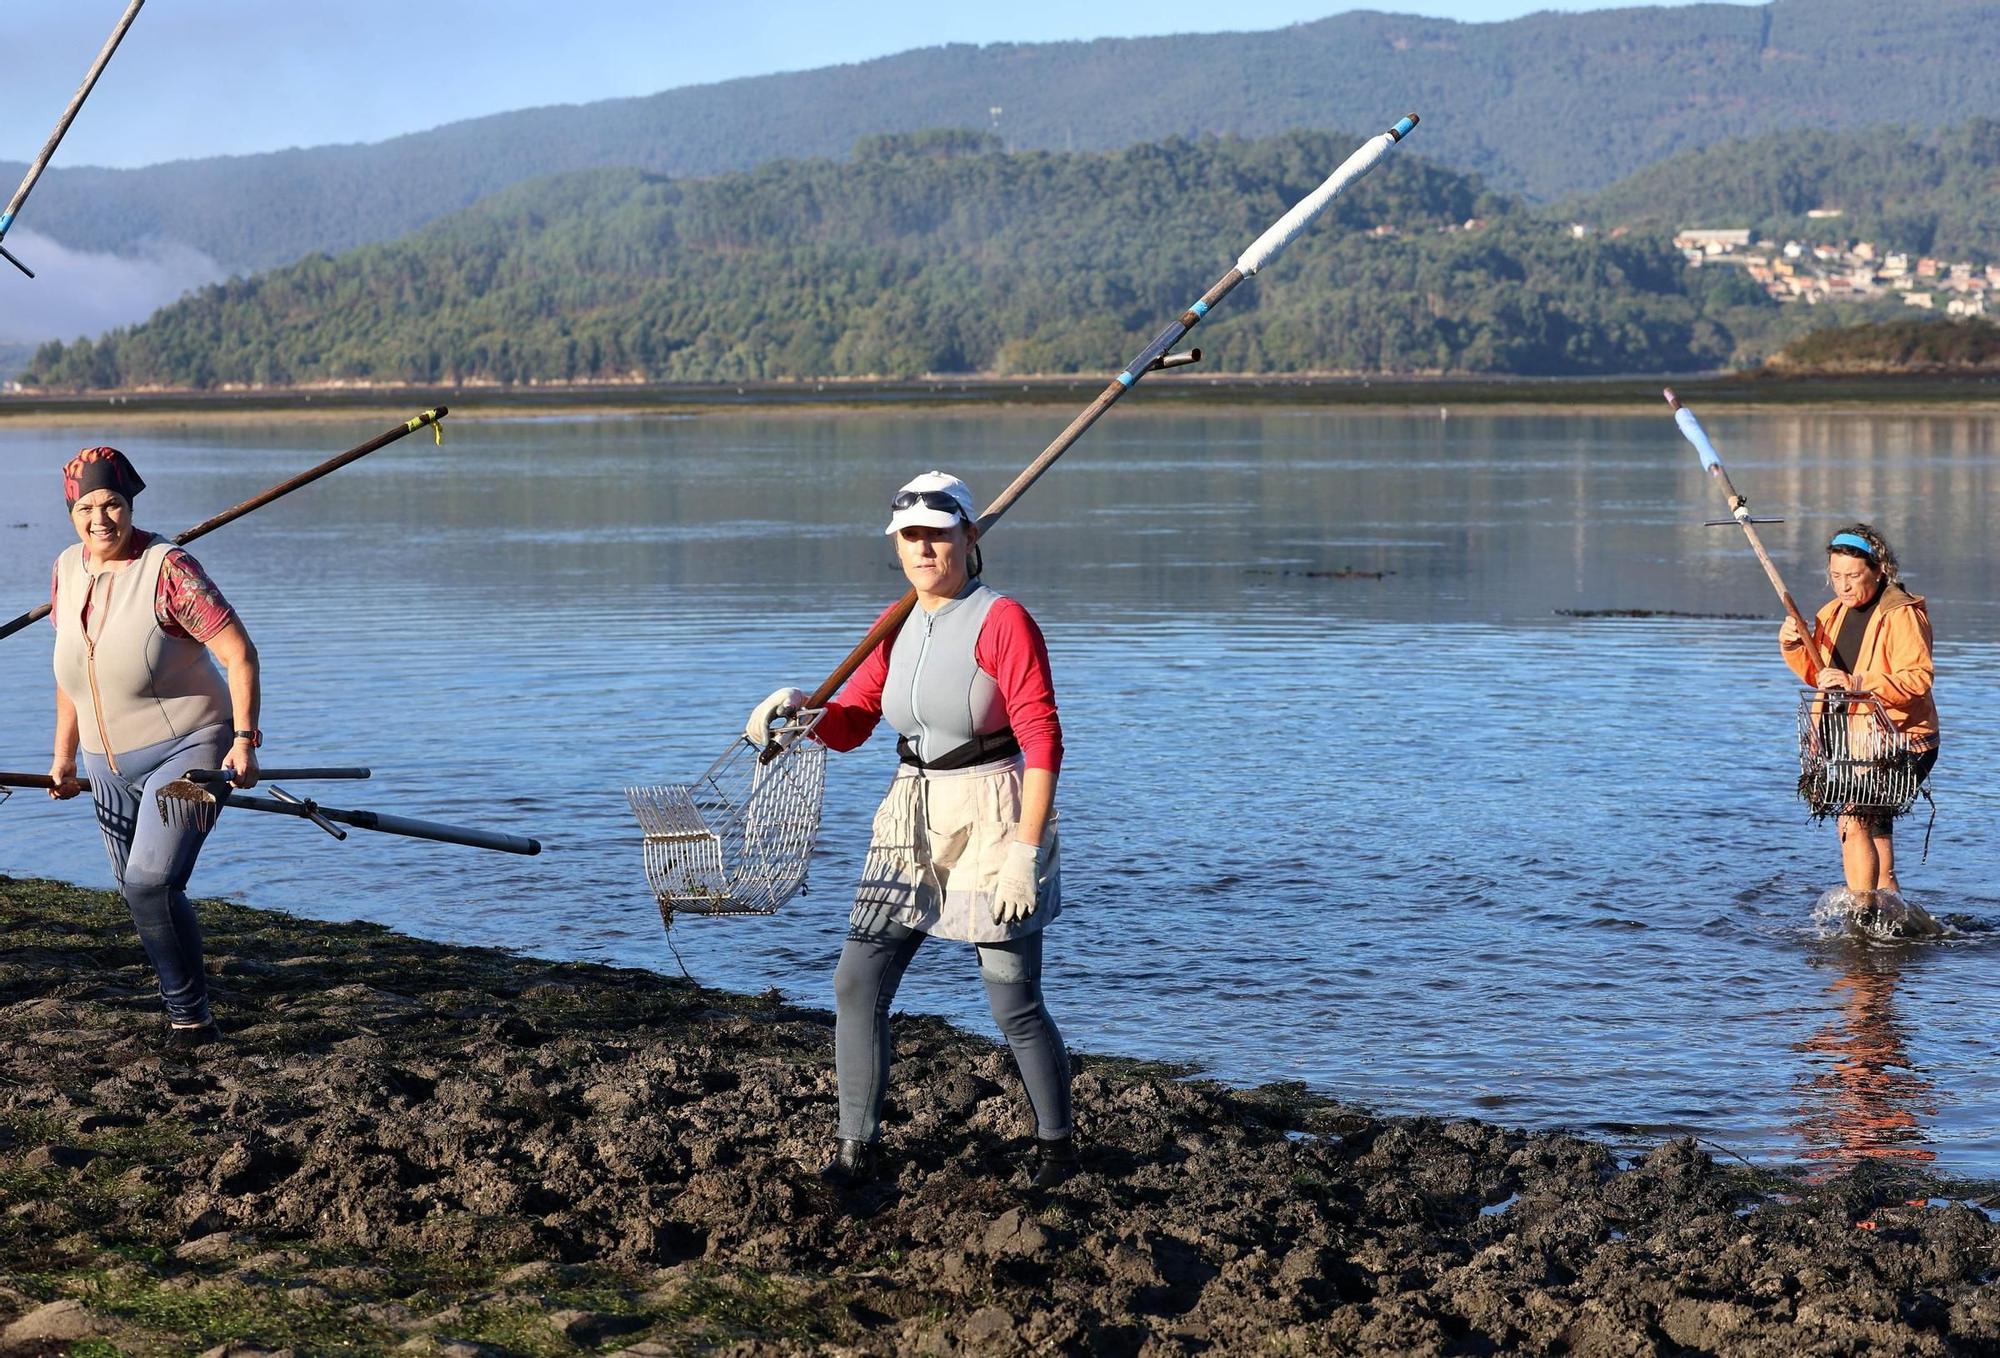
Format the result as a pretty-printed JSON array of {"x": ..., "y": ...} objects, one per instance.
[
  {"x": 872, "y": 964},
  {"x": 153, "y": 861}
]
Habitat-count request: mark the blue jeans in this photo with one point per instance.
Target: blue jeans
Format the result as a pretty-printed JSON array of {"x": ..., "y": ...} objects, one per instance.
[{"x": 153, "y": 860}]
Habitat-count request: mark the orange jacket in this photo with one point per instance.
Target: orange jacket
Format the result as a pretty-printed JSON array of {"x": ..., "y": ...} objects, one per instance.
[{"x": 1894, "y": 664}]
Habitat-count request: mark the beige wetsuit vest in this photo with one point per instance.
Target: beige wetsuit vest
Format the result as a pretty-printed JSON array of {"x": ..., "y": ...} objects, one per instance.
[{"x": 133, "y": 684}]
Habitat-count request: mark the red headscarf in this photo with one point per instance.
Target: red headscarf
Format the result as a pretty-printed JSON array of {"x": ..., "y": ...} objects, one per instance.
[{"x": 100, "y": 469}]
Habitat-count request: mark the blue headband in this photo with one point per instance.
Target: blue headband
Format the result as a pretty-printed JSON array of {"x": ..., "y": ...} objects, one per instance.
[{"x": 1854, "y": 540}]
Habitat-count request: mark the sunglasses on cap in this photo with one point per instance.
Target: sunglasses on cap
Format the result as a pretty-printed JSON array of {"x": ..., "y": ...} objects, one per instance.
[{"x": 942, "y": 501}]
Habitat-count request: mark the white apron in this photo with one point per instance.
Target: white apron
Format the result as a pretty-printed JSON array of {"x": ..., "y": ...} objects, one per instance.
[{"x": 934, "y": 857}]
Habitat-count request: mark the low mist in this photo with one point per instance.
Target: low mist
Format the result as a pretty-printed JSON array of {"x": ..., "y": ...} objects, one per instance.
[{"x": 76, "y": 292}]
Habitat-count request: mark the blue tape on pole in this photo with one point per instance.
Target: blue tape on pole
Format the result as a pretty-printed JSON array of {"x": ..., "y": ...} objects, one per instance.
[
  {"x": 1698, "y": 436},
  {"x": 1126, "y": 379},
  {"x": 1404, "y": 126},
  {"x": 1199, "y": 308},
  {"x": 6, "y": 220}
]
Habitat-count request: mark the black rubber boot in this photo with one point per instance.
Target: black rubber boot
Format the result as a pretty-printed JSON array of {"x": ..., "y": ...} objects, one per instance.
[
  {"x": 189, "y": 1039},
  {"x": 1053, "y": 1163},
  {"x": 853, "y": 1163}
]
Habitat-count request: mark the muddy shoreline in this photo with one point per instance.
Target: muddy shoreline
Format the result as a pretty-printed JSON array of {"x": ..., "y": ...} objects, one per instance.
[{"x": 412, "y": 1147}]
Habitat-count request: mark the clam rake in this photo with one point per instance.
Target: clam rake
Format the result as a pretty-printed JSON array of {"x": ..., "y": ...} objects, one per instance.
[
  {"x": 187, "y": 804},
  {"x": 283, "y": 803},
  {"x": 1851, "y": 756},
  {"x": 738, "y": 841}
]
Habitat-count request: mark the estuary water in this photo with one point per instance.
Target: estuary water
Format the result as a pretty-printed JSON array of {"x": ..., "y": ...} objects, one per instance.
[{"x": 1348, "y": 800}]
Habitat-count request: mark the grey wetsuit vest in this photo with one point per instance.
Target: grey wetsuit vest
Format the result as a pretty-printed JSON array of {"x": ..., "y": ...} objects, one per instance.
[
  {"x": 947, "y": 709},
  {"x": 133, "y": 684}
]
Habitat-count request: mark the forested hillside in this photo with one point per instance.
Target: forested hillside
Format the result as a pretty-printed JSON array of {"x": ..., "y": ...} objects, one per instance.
[
  {"x": 931, "y": 253},
  {"x": 1548, "y": 104},
  {"x": 1929, "y": 190}
]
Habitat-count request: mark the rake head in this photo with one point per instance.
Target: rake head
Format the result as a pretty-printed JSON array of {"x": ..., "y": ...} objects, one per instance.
[
  {"x": 737, "y": 841},
  {"x": 186, "y": 805}
]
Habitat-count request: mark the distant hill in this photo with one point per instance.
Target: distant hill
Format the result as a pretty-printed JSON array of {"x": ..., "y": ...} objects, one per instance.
[
  {"x": 1916, "y": 345},
  {"x": 1929, "y": 190},
  {"x": 928, "y": 253},
  {"x": 1549, "y": 104}
]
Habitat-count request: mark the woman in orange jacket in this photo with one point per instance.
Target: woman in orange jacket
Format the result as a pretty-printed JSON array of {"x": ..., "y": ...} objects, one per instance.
[{"x": 1878, "y": 637}]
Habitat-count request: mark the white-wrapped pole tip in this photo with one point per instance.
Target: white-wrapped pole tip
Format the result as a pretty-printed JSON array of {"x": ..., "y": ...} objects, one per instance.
[{"x": 1267, "y": 246}]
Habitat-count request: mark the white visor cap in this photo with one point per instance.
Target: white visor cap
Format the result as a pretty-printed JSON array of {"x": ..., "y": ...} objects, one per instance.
[{"x": 933, "y": 500}]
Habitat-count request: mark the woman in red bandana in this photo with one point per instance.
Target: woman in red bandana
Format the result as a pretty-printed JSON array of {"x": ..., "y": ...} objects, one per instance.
[{"x": 139, "y": 628}]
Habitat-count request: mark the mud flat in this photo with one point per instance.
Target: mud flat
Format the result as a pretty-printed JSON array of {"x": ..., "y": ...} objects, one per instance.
[
  {"x": 1884, "y": 393},
  {"x": 411, "y": 1147}
]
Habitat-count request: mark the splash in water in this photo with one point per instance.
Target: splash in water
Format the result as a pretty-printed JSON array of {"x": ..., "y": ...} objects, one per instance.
[{"x": 1882, "y": 915}]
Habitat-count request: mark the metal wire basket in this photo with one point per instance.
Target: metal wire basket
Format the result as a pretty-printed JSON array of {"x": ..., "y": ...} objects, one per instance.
[
  {"x": 1852, "y": 757},
  {"x": 737, "y": 841}
]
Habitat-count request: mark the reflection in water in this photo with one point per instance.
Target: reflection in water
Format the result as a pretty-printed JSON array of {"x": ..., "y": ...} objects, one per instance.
[{"x": 1866, "y": 1097}]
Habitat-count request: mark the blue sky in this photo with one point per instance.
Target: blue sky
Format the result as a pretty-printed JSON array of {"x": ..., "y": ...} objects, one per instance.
[{"x": 210, "y": 77}]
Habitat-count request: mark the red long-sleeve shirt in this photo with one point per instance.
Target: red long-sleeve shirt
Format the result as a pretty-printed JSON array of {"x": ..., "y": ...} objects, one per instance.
[{"x": 1010, "y": 650}]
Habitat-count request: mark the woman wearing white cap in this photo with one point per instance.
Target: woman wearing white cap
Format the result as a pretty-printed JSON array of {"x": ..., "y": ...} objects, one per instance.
[{"x": 964, "y": 844}]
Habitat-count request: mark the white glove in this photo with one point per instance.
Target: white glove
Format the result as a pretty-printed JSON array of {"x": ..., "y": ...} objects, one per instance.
[
  {"x": 782, "y": 703},
  {"x": 1015, "y": 895}
]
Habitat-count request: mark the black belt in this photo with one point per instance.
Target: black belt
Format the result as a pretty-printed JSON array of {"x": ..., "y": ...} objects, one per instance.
[{"x": 979, "y": 750}]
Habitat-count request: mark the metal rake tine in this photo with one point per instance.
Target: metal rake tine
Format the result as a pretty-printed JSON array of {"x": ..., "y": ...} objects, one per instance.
[
  {"x": 736, "y": 841},
  {"x": 185, "y": 805}
]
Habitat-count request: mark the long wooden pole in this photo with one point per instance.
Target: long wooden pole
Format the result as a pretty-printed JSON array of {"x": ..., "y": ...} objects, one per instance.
[
  {"x": 283, "y": 488},
  {"x": 1739, "y": 509},
  {"x": 62, "y": 128},
  {"x": 1261, "y": 252}
]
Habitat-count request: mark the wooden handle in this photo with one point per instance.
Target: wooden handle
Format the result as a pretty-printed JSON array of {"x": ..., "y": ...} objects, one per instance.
[
  {"x": 1739, "y": 509},
  {"x": 1157, "y": 354},
  {"x": 41, "y": 161},
  {"x": 305, "y": 478},
  {"x": 40, "y": 780}
]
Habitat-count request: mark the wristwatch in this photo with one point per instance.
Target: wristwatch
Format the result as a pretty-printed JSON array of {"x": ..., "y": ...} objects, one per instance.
[{"x": 256, "y": 738}]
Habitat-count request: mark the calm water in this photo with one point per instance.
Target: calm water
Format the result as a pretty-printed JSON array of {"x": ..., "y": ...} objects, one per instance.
[{"x": 1418, "y": 841}]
